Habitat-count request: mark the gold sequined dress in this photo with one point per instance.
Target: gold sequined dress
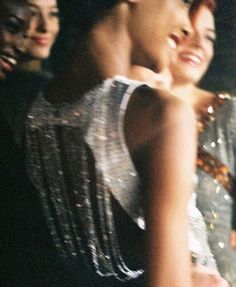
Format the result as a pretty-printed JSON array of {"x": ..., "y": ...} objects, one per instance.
[
  {"x": 89, "y": 187},
  {"x": 216, "y": 177}
]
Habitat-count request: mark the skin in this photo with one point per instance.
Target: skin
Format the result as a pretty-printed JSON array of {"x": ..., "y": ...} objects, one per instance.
[
  {"x": 42, "y": 32},
  {"x": 189, "y": 62},
  {"x": 232, "y": 239},
  {"x": 195, "y": 54},
  {"x": 153, "y": 121},
  {"x": 13, "y": 24},
  {"x": 192, "y": 59}
]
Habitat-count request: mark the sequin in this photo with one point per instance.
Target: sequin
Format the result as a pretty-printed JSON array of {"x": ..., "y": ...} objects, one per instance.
[
  {"x": 62, "y": 140},
  {"x": 208, "y": 117},
  {"x": 68, "y": 142},
  {"x": 215, "y": 168},
  {"x": 216, "y": 173}
]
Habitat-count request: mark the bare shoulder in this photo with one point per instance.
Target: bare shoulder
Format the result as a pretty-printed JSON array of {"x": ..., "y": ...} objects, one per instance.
[{"x": 150, "y": 111}]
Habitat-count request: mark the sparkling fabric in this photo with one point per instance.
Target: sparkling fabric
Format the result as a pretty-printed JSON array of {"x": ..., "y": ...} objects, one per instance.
[
  {"x": 78, "y": 159},
  {"x": 198, "y": 242},
  {"x": 213, "y": 199}
]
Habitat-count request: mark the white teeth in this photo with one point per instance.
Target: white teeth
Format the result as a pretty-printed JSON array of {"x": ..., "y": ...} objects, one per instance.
[
  {"x": 10, "y": 60},
  {"x": 172, "y": 44},
  {"x": 192, "y": 58}
]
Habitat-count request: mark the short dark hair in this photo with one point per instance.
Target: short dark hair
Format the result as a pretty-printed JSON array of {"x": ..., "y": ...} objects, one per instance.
[
  {"x": 81, "y": 15},
  {"x": 77, "y": 19}
]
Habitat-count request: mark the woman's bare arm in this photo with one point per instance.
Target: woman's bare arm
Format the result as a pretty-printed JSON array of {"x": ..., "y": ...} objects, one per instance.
[{"x": 162, "y": 129}]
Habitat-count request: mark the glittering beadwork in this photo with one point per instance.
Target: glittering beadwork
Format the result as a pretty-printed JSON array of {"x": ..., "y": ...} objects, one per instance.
[
  {"x": 211, "y": 165},
  {"x": 198, "y": 244},
  {"x": 216, "y": 170},
  {"x": 79, "y": 160},
  {"x": 71, "y": 144},
  {"x": 209, "y": 116}
]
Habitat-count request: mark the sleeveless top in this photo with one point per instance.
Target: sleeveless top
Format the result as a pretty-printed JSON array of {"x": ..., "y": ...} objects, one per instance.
[
  {"x": 79, "y": 161},
  {"x": 216, "y": 180}
]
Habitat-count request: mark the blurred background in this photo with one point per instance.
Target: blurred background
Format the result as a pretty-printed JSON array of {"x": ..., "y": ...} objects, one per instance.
[{"x": 222, "y": 73}]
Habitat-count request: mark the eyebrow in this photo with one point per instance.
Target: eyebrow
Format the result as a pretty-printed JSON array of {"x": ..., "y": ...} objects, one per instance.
[{"x": 37, "y": 6}]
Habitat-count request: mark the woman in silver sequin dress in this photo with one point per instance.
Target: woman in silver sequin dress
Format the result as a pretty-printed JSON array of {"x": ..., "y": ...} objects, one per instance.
[
  {"x": 101, "y": 152},
  {"x": 81, "y": 158},
  {"x": 217, "y": 137}
]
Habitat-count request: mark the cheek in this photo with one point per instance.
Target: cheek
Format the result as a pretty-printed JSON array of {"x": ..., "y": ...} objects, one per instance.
[
  {"x": 174, "y": 60},
  {"x": 55, "y": 27},
  {"x": 209, "y": 56},
  {"x": 32, "y": 27}
]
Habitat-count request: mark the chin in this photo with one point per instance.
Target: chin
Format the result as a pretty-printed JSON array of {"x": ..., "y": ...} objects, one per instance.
[
  {"x": 190, "y": 75},
  {"x": 41, "y": 54}
]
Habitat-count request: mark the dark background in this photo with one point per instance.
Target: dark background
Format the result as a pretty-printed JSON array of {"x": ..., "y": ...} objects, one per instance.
[{"x": 222, "y": 72}]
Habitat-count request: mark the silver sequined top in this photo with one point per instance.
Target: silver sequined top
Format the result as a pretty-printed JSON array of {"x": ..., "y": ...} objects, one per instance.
[
  {"x": 214, "y": 201},
  {"x": 72, "y": 143}
]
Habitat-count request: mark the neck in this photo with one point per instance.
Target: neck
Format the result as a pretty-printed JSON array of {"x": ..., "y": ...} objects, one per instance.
[
  {"x": 103, "y": 53},
  {"x": 186, "y": 92},
  {"x": 33, "y": 65},
  {"x": 196, "y": 97}
]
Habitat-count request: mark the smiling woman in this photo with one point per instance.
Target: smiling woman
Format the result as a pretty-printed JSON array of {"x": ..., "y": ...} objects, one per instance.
[
  {"x": 216, "y": 112},
  {"x": 100, "y": 147},
  {"x": 42, "y": 33},
  {"x": 14, "y": 17}
]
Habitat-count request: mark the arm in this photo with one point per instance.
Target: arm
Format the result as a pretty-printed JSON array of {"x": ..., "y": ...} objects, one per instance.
[
  {"x": 162, "y": 129},
  {"x": 231, "y": 120},
  {"x": 203, "y": 276},
  {"x": 232, "y": 236}
]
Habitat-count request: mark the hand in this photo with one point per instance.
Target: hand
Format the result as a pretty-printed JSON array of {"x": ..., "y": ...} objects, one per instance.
[{"x": 203, "y": 276}]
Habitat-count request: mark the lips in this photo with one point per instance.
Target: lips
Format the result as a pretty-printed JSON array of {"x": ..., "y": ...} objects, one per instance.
[
  {"x": 191, "y": 58},
  {"x": 7, "y": 62},
  {"x": 41, "y": 41}
]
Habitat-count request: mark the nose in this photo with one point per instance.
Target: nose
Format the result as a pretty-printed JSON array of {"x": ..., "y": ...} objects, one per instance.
[
  {"x": 186, "y": 31},
  {"x": 185, "y": 26},
  {"x": 42, "y": 24},
  {"x": 196, "y": 40},
  {"x": 181, "y": 34}
]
